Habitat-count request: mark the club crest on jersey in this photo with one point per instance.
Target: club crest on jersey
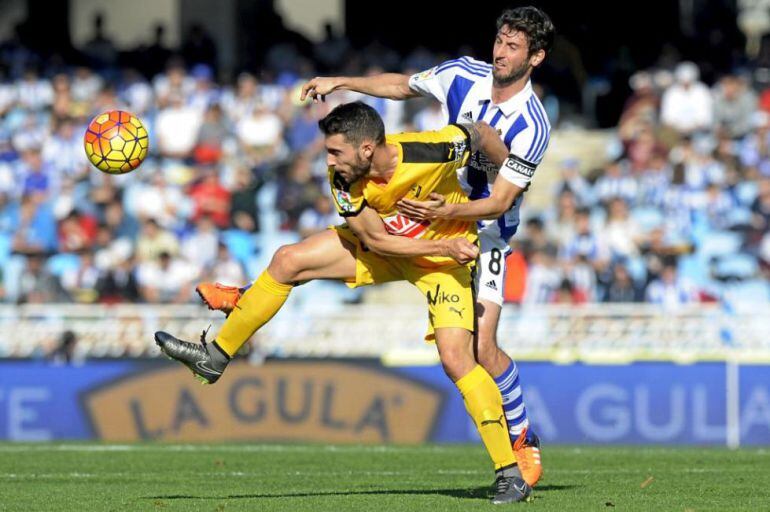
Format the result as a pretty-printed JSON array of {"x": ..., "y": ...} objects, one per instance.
[
  {"x": 426, "y": 74},
  {"x": 400, "y": 225},
  {"x": 343, "y": 200}
]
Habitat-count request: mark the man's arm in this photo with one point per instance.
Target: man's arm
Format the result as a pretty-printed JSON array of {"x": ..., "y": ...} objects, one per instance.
[
  {"x": 482, "y": 137},
  {"x": 394, "y": 86},
  {"x": 368, "y": 227},
  {"x": 503, "y": 195}
]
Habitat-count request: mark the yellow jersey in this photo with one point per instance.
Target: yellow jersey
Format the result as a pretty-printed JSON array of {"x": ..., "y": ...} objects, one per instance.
[{"x": 427, "y": 162}]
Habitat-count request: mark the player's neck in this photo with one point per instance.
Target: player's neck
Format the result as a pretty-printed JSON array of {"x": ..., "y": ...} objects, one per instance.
[
  {"x": 502, "y": 93},
  {"x": 384, "y": 162}
]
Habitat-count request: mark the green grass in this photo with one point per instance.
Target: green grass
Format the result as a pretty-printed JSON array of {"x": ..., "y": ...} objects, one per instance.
[{"x": 231, "y": 477}]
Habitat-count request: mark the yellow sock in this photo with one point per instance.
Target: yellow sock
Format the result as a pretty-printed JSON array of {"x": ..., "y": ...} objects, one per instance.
[
  {"x": 255, "y": 308},
  {"x": 485, "y": 405}
]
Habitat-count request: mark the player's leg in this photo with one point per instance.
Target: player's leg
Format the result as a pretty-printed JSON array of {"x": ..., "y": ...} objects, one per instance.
[
  {"x": 450, "y": 303},
  {"x": 323, "y": 256},
  {"x": 490, "y": 282}
]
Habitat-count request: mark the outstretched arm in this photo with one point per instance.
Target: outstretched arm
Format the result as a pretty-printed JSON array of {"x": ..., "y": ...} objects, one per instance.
[
  {"x": 368, "y": 227},
  {"x": 394, "y": 86},
  {"x": 504, "y": 193},
  {"x": 512, "y": 180}
]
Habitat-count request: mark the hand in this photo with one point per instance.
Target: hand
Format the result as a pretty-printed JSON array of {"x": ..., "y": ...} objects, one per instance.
[
  {"x": 434, "y": 208},
  {"x": 319, "y": 86},
  {"x": 461, "y": 250}
]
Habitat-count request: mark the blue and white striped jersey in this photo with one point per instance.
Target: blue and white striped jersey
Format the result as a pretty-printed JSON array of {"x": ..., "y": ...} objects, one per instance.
[{"x": 464, "y": 88}]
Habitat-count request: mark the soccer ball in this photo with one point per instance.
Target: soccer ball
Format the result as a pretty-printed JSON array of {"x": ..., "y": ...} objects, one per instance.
[{"x": 116, "y": 142}]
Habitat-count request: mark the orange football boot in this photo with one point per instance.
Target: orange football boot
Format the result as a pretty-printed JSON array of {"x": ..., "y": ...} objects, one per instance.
[
  {"x": 527, "y": 453},
  {"x": 219, "y": 297}
]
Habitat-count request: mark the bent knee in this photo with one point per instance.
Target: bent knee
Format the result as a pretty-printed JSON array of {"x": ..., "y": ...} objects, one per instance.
[{"x": 287, "y": 263}]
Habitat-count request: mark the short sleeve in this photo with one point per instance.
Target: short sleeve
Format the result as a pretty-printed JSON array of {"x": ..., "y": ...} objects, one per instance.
[{"x": 436, "y": 81}]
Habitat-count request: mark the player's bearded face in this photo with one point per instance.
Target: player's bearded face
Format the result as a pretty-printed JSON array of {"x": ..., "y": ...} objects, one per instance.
[
  {"x": 510, "y": 56},
  {"x": 348, "y": 160}
]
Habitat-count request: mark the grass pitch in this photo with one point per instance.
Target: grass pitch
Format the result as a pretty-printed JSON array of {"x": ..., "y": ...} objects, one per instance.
[{"x": 233, "y": 477}]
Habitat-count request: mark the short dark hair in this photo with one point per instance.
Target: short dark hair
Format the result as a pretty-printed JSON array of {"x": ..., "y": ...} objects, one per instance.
[
  {"x": 357, "y": 121},
  {"x": 533, "y": 22}
]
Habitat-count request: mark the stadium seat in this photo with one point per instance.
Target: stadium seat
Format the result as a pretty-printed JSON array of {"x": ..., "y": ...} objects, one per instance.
[
  {"x": 62, "y": 262},
  {"x": 753, "y": 291},
  {"x": 719, "y": 243},
  {"x": 736, "y": 266},
  {"x": 739, "y": 217},
  {"x": 694, "y": 268},
  {"x": 240, "y": 244},
  {"x": 5, "y": 247}
]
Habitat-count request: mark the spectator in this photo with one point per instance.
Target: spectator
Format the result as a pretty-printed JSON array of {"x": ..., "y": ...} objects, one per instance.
[
  {"x": 32, "y": 92},
  {"x": 734, "y": 106},
  {"x": 318, "y": 217},
  {"x": 35, "y": 227},
  {"x": 567, "y": 294},
  {"x": 615, "y": 183},
  {"x": 198, "y": 47},
  {"x": 166, "y": 279},
  {"x": 118, "y": 283},
  {"x": 177, "y": 128},
  {"x": 211, "y": 138},
  {"x": 297, "y": 191},
  {"x": 535, "y": 238},
  {"x": 543, "y": 278},
  {"x": 154, "y": 241},
  {"x": 622, "y": 287},
  {"x": 120, "y": 222},
  {"x": 585, "y": 243},
  {"x": 687, "y": 105},
  {"x": 77, "y": 232},
  {"x": 244, "y": 100},
  {"x": 243, "y": 210},
  {"x": 202, "y": 244},
  {"x": 161, "y": 201},
  {"x": 225, "y": 269},
  {"x": 671, "y": 291},
  {"x": 80, "y": 282},
  {"x": 621, "y": 233},
  {"x": 37, "y": 285},
  {"x": 156, "y": 54},
  {"x": 211, "y": 199},
  {"x": 574, "y": 181},
  {"x": 100, "y": 50},
  {"x": 259, "y": 135}
]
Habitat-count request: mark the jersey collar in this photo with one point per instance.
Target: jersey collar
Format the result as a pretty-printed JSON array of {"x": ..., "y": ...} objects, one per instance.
[{"x": 512, "y": 104}]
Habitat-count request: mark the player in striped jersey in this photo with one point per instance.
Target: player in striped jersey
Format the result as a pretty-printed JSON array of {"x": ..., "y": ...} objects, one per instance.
[{"x": 500, "y": 94}]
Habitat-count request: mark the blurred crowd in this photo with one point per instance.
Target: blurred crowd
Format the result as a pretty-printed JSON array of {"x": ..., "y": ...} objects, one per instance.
[
  {"x": 237, "y": 166},
  {"x": 679, "y": 213}
]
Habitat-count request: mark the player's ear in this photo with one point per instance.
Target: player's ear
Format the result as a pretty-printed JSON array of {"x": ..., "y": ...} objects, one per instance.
[
  {"x": 367, "y": 148},
  {"x": 537, "y": 58}
]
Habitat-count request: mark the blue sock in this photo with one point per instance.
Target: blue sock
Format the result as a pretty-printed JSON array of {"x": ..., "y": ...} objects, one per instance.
[
  {"x": 245, "y": 287},
  {"x": 513, "y": 401}
]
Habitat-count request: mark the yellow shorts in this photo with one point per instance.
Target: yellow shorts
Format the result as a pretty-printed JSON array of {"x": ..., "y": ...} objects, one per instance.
[{"x": 448, "y": 289}]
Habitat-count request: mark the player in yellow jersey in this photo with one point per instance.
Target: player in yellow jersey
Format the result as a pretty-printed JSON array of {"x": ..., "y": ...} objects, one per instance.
[{"x": 369, "y": 173}]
